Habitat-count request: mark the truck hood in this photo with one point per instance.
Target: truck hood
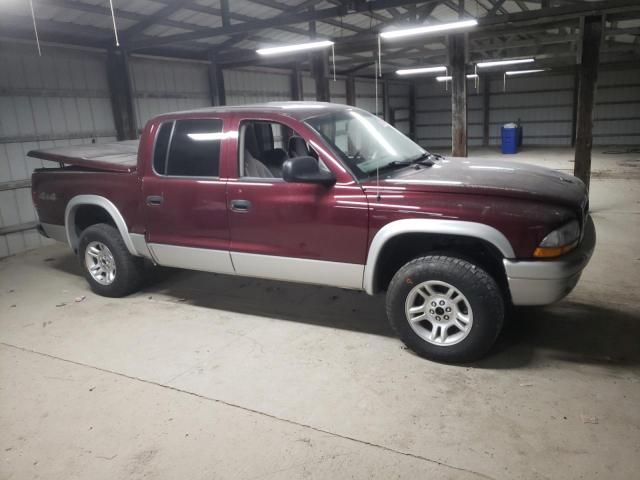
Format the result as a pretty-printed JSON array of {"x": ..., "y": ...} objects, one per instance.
[{"x": 492, "y": 177}]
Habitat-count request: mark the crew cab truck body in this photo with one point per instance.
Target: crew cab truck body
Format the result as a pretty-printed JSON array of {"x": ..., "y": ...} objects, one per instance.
[{"x": 323, "y": 194}]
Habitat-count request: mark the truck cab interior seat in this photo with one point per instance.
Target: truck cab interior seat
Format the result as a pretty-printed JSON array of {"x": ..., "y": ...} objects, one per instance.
[{"x": 253, "y": 166}]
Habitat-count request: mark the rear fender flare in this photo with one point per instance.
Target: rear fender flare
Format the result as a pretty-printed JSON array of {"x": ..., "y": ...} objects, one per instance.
[
  {"x": 434, "y": 227},
  {"x": 108, "y": 206}
]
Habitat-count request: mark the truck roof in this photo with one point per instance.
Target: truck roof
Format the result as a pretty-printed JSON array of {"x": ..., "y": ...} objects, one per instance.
[
  {"x": 297, "y": 110},
  {"x": 122, "y": 156}
]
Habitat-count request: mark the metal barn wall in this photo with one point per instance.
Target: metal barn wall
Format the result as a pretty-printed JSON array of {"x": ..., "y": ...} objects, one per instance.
[
  {"x": 399, "y": 103},
  {"x": 58, "y": 99},
  {"x": 163, "y": 85},
  {"x": 245, "y": 86},
  {"x": 617, "y": 111},
  {"x": 543, "y": 103},
  {"x": 433, "y": 113},
  {"x": 308, "y": 88},
  {"x": 338, "y": 90},
  {"x": 366, "y": 95}
]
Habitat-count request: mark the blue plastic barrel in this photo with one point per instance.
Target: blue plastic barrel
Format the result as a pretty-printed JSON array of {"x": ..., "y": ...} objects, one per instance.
[{"x": 509, "y": 139}]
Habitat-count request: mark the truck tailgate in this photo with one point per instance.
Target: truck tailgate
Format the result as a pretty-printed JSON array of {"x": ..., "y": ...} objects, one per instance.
[{"x": 111, "y": 157}]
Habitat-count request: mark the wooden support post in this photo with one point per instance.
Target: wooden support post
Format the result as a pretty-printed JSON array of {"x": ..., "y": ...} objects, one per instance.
[
  {"x": 457, "y": 44},
  {"x": 121, "y": 95},
  {"x": 386, "y": 106},
  {"x": 574, "y": 106},
  {"x": 296, "y": 83},
  {"x": 216, "y": 82},
  {"x": 351, "y": 91},
  {"x": 320, "y": 70},
  {"x": 412, "y": 112},
  {"x": 486, "y": 110},
  {"x": 587, "y": 83}
]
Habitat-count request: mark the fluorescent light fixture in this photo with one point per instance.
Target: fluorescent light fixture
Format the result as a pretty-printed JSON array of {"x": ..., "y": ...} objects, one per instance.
[
  {"x": 407, "y": 32},
  {"x": 448, "y": 78},
  {"x": 524, "y": 72},
  {"x": 294, "y": 48},
  {"x": 415, "y": 71},
  {"x": 497, "y": 63}
]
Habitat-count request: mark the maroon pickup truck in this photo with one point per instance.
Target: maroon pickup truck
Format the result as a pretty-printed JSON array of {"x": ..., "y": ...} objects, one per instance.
[{"x": 323, "y": 194}]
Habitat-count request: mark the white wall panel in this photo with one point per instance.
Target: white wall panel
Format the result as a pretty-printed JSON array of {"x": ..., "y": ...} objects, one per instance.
[
  {"x": 399, "y": 102},
  {"x": 366, "y": 96},
  {"x": 338, "y": 90},
  {"x": 433, "y": 114},
  {"x": 162, "y": 85},
  {"x": 617, "y": 111},
  {"x": 57, "y": 99},
  {"x": 247, "y": 86},
  {"x": 308, "y": 88}
]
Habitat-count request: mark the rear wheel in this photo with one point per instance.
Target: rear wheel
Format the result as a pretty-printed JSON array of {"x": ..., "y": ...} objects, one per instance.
[
  {"x": 106, "y": 262},
  {"x": 445, "y": 308}
]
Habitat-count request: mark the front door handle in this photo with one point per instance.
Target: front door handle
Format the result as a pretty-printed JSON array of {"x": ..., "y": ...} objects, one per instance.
[
  {"x": 240, "y": 206},
  {"x": 154, "y": 200}
]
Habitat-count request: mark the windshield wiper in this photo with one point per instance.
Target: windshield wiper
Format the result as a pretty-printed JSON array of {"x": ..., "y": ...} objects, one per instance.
[
  {"x": 395, "y": 163},
  {"x": 430, "y": 157}
]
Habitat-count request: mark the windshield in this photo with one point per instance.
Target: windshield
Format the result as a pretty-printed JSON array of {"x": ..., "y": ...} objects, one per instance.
[{"x": 365, "y": 142}]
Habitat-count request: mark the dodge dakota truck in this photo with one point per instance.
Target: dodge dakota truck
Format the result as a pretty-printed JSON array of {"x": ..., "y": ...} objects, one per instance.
[{"x": 323, "y": 194}]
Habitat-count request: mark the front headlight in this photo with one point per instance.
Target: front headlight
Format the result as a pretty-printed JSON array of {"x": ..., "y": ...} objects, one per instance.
[{"x": 560, "y": 241}]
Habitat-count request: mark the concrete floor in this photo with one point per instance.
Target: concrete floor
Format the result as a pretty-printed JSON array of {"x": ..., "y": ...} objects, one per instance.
[{"x": 206, "y": 376}]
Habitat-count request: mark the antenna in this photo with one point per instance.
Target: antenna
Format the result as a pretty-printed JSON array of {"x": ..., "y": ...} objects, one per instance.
[
  {"x": 35, "y": 28},
  {"x": 113, "y": 19}
]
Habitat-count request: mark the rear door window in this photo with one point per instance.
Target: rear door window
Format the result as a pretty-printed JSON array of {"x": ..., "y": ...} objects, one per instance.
[{"x": 193, "y": 148}]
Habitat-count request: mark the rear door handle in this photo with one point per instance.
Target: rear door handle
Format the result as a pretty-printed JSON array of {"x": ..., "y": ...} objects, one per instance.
[
  {"x": 240, "y": 206},
  {"x": 154, "y": 200}
]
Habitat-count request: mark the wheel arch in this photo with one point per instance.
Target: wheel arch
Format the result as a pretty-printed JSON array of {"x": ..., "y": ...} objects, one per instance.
[
  {"x": 79, "y": 201},
  {"x": 416, "y": 230}
]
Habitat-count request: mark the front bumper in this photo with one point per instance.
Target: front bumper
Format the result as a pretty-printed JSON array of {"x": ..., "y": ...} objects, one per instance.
[{"x": 541, "y": 282}]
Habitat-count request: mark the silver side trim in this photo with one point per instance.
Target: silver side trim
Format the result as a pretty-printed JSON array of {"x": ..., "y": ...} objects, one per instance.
[
  {"x": 299, "y": 270},
  {"x": 191, "y": 258},
  {"x": 541, "y": 282},
  {"x": 140, "y": 244},
  {"x": 102, "y": 202},
  {"x": 56, "y": 232},
  {"x": 434, "y": 226}
]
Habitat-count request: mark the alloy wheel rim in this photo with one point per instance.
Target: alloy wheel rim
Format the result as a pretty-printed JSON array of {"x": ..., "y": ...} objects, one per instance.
[
  {"x": 100, "y": 263},
  {"x": 439, "y": 313}
]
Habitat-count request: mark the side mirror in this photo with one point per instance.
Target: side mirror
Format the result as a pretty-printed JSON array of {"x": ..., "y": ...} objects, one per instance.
[{"x": 306, "y": 170}]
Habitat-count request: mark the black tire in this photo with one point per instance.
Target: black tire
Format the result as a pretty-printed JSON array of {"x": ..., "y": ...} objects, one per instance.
[
  {"x": 128, "y": 269},
  {"x": 482, "y": 294}
]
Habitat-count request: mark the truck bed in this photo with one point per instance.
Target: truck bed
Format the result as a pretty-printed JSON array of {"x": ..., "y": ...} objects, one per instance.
[{"x": 110, "y": 157}]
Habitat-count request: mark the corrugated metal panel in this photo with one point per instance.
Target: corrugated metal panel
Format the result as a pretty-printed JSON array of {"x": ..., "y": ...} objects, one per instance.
[
  {"x": 399, "y": 102},
  {"x": 543, "y": 103},
  {"x": 255, "y": 86},
  {"x": 366, "y": 96},
  {"x": 162, "y": 85},
  {"x": 308, "y": 87},
  {"x": 433, "y": 114},
  {"x": 338, "y": 90},
  {"x": 58, "y": 99},
  {"x": 617, "y": 111}
]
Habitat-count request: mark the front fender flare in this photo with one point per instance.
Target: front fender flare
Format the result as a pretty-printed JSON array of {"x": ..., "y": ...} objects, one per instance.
[{"x": 433, "y": 227}]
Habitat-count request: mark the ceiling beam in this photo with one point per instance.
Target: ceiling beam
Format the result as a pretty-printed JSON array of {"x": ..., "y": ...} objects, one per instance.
[
  {"x": 281, "y": 20},
  {"x": 149, "y": 20}
]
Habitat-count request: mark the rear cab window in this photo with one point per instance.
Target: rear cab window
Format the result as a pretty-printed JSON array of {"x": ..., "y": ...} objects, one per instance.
[{"x": 188, "y": 148}]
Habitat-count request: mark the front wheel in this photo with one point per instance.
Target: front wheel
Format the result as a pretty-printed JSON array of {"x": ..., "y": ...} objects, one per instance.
[
  {"x": 106, "y": 262},
  {"x": 445, "y": 308}
]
